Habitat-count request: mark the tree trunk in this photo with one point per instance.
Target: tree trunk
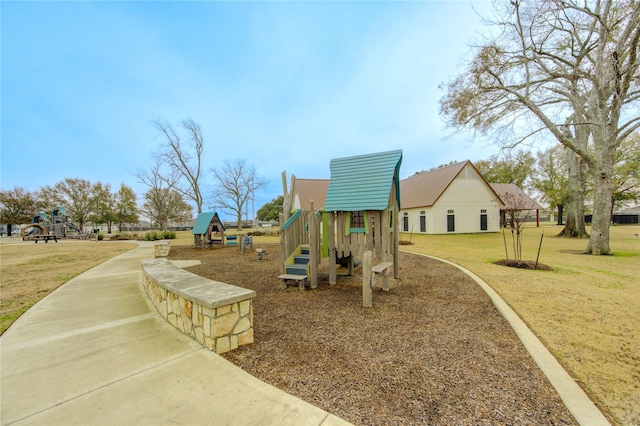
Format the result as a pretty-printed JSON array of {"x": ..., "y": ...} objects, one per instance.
[
  {"x": 9, "y": 230},
  {"x": 574, "y": 203},
  {"x": 240, "y": 220},
  {"x": 560, "y": 213},
  {"x": 601, "y": 222}
]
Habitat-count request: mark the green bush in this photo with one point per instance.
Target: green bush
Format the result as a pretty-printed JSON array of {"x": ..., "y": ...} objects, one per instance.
[
  {"x": 159, "y": 235},
  {"x": 168, "y": 235},
  {"x": 100, "y": 236},
  {"x": 151, "y": 236}
]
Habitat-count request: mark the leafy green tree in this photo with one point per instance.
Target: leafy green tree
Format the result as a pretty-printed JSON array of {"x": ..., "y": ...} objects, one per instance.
[
  {"x": 126, "y": 206},
  {"x": 17, "y": 206},
  {"x": 104, "y": 205},
  {"x": 551, "y": 178},
  {"x": 75, "y": 195},
  {"x": 271, "y": 210},
  {"x": 510, "y": 167},
  {"x": 626, "y": 173}
]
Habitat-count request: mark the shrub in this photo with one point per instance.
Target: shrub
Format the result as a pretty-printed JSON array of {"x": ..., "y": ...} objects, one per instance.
[
  {"x": 100, "y": 236},
  {"x": 151, "y": 236},
  {"x": 168, "y": 235}
]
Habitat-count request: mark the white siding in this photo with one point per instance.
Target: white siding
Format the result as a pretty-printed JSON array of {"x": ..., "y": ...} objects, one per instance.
[{"x": 467, "y": 196}]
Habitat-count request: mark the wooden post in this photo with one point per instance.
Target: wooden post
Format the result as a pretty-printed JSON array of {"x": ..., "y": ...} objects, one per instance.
[
  {"x": 313, "y": 246},
  {"x": 396, "y": 245},
  {"x": 367, "y": 292},
  {"x": 283, "y": 245},
  {"x": 384, "y": 238},
  {"x": 332, "y": 249}
]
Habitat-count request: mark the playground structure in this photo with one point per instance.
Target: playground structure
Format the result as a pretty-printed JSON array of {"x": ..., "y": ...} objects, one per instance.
[
  {"x": 359, "y": 216},
  {"x": 53, "y": 226},
  {"x": 208, "y": 230}
]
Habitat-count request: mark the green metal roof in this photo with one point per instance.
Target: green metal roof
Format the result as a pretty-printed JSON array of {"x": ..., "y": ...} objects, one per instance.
[
  {"x": 202, "y": 222},
  {"x": 363, "y": 182}
]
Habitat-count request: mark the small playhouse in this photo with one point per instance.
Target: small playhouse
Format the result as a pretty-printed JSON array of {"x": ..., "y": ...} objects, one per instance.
[
  {"x": 208, "y": 230},
  {"x": 359, "y": 215}
]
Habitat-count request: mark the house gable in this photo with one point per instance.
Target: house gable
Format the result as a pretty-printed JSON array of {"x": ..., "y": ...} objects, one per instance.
[{"x": 453, "y": 197}]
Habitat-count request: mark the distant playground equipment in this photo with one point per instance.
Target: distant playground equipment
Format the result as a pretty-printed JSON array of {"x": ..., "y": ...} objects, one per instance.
[
  {"x": 53, "y": 226},
  {"x": 208, "y": 230}
]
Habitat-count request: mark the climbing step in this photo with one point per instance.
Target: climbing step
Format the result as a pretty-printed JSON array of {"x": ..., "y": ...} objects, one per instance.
[
  {"x": 296, "y": 269},
  {"x": 301, "y": 259}
]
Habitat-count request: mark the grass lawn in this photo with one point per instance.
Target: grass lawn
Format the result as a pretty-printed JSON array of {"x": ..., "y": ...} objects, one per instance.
[
  {"x": 586, "y": 310},
  {"x": 29, "y": 271}
]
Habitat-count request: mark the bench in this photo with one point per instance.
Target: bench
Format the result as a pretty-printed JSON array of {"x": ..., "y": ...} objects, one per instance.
[
  {"x": 300, "y": 279},
  {"x": 46, "y": 238},
  {"x": 381, "y": 268},
  {"x": 213, "y": 241},
  {"x": 217, "y": 315}
]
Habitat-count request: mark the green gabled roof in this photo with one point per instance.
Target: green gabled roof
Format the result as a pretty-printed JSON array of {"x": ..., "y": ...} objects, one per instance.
[
  {"x": 202, "y": 222},
  {"x": 363, "y": 182}
]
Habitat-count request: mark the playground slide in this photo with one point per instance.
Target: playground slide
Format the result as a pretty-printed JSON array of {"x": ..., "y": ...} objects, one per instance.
[{"x": 75, "y": 228}]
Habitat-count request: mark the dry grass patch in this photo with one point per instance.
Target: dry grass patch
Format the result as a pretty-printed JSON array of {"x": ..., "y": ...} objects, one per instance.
[
  {"x": 29, "y": 271},
  {"x": 586, "y": 310}
]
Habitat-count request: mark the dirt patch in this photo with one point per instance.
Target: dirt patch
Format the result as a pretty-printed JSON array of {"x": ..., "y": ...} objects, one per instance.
[
  {"x": 433, "y": 350},
  {"x": 523, "y": 264}
]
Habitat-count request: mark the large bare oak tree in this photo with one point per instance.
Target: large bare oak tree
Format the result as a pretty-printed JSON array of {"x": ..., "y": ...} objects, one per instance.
[{"x": 562, "y": 67}]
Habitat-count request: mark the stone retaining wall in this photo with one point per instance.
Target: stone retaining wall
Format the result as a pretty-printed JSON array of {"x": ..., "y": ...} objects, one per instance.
[{"x": 218, "y": 315}]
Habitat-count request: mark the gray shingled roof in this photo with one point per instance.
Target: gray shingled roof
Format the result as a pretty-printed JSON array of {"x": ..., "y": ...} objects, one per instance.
[{"x": 363, "y": 182}]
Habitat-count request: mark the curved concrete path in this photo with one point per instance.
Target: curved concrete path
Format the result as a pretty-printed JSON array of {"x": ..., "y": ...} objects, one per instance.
[
  {"x": 95, "y": 352},
  {"x": 574, "y": 398}
]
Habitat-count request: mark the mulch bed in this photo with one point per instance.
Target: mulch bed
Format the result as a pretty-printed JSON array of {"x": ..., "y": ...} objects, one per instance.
[
  {"x": 523, "y": 264},
  {"x": 433, "y": 350}
]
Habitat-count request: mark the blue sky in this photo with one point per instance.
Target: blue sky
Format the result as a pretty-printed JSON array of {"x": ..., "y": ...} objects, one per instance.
[{"x": 284, "y": 85}]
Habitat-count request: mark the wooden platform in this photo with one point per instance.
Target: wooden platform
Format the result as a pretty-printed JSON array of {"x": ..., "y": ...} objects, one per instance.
[{"x": 292, "y": 277}]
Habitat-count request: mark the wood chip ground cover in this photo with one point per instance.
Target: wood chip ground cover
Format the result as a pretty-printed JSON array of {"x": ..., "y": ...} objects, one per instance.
[{"x": 433, "y": 350}]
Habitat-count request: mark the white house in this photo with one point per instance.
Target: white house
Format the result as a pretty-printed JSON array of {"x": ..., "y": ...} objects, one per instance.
[{"x": 454, "y": 199}]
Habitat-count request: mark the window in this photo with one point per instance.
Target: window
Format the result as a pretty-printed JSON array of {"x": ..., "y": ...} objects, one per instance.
[
  {"x": 405, "y": 222},
  {"x": 483, "y": 221},
  {"x": 451, "y": 222},
  {"x": 423, "y": 222},
  {"x": 357, "y": 222}
]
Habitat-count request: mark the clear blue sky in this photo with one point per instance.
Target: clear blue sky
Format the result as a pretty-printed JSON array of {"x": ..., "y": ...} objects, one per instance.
[{"x": 284, "y": 85}]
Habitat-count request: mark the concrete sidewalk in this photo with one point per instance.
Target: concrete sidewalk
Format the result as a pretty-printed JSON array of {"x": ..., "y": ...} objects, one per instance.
[{"x": 95, "y": 352}]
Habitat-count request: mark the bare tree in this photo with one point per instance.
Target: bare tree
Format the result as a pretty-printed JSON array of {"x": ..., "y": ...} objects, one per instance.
[
  {"x": 563, "y": 67},
  {"x": 165, "y": 205},
  {"x": 183, "y": 159},
  {"x": 236, "y": 182},
  {"x": 162, "y": 203}
]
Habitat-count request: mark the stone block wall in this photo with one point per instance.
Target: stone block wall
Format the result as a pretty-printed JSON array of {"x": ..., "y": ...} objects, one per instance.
[{"x": 220, "y": 328}]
